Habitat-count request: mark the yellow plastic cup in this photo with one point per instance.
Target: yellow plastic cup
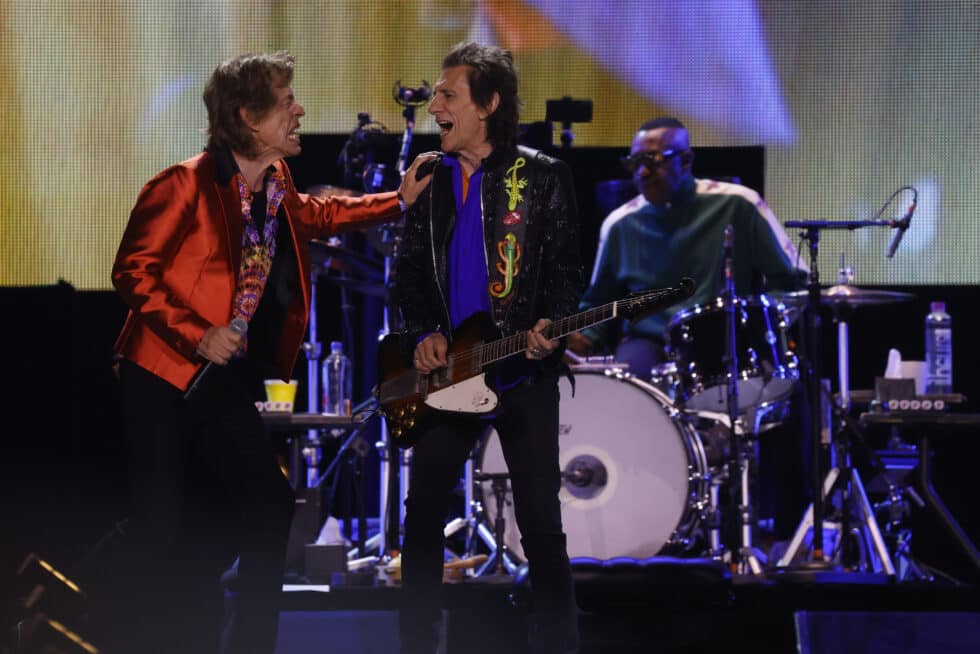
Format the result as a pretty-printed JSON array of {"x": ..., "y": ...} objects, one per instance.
[{"x": 280, "y": 394}]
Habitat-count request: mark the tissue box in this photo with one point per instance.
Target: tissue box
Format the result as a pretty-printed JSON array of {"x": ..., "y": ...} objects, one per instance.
[{"x": 322, "y": 561}]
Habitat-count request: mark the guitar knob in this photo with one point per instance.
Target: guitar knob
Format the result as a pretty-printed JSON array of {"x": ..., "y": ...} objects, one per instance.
[
  {"x": 401, "y": 412},
  {"x": 412, "y": 408},
  {"x": 410, "y": 423},
  {"x": 396, "y": 432}
]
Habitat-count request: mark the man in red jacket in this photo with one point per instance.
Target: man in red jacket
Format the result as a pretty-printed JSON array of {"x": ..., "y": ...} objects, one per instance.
[{"x": 215, "y": 269}]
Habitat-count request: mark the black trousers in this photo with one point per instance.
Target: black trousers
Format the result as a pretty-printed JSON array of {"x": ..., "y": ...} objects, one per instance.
[
  {"x": 205, "y": 487},
  {"x": 527, "y": 424}
]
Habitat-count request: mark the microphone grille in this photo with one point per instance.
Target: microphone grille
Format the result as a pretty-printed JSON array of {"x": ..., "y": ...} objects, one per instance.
[{"x": 239, "y": 326}]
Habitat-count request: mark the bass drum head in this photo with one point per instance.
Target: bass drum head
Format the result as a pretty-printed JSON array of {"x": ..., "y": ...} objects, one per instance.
[{"x": 626, "y": 464}]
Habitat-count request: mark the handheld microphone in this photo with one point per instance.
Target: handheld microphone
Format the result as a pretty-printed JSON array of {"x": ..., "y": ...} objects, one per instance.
[
  {"x": 239, "y": 326},
  {"x": 425, "y": 168},
  {"x": 902, "y": 225}
]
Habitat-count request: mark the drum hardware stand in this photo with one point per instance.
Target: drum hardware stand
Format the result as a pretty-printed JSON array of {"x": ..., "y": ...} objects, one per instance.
[
  {"x": 501, "y": 561},
  {"x": 843, "y": 478},
  {"x": 356, "y": 444},
  {"x": 896, "y": 508},
  {"x": 712, "y": 515},
  {"x": 310, "y": 451},
  {"x": 744, "y": 559}
]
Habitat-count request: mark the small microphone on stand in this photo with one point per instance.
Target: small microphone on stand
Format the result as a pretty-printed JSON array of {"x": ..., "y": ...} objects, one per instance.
[
  {"x": 408, "y": 96},
  {"x": 239, "y": 326},
  {"x": 902, "y": 224}
]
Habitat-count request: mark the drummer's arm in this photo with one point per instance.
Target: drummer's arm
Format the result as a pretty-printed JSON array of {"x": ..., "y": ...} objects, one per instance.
[
  {"x": 774, "y": 253},
  {"x": 603, "y": 288}
]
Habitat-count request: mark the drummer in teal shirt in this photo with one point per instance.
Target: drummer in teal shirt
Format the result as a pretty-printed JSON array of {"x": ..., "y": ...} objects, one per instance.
[{"x": 675, "y": 228}]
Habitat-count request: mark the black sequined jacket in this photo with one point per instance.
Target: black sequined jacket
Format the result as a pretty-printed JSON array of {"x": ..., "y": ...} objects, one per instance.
[{"x": 551, "y": 277}]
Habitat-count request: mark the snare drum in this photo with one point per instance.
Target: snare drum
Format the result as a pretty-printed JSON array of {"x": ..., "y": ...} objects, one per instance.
[
  {"x": 767, "y": 367},
  {"x": 635, "y": 471}
]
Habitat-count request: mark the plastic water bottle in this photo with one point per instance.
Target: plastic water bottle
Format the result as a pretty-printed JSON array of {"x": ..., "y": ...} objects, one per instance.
[
  {"x": 939, "y": 349},
  {"x": 336, "y": 376}
]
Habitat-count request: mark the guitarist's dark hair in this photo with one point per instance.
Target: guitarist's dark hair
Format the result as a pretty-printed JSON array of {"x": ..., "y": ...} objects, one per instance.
[{"x": 491, "y": 70}]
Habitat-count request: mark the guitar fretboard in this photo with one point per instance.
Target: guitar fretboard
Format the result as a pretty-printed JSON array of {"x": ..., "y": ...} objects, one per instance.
[{"x": 510, "y": 345}]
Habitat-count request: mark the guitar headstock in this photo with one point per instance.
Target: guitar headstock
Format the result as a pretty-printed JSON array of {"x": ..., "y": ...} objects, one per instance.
[{"x": 642, "y": 303}]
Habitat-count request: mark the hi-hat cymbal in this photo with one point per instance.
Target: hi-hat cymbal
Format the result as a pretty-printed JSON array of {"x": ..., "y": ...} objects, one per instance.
[{"x": 844, "y": 295}]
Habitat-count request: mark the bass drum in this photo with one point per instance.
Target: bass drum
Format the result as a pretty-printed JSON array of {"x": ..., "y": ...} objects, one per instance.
[{"x": 634, "y": 470}]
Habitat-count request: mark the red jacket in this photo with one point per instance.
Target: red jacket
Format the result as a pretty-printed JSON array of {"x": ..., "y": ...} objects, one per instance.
[{"x": 177, "y": 265}]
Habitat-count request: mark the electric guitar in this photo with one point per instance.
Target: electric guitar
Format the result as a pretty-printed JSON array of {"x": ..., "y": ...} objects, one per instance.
[{"x": 406, "y": 396}]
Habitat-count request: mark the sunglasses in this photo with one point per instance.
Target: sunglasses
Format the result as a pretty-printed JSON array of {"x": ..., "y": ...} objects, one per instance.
[{"x": 652, "y": 160}]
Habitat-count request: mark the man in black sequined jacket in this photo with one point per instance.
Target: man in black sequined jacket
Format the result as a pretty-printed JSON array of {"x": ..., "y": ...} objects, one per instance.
[
  {"x": 549, "y": 282},
  {"x": 496, "y": 233}
]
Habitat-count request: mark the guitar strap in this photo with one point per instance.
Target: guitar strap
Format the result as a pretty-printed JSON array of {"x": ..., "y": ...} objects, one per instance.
[{"x": 510, "y": 230}]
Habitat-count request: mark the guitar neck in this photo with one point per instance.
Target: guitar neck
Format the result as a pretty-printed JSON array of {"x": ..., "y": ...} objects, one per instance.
[
  {"x": 516, "y": 343},
  {"x": 630, "y": 306}
]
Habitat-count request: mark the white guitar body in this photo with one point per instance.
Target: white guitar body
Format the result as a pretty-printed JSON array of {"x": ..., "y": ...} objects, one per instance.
[{"x": 468, "y": 396}]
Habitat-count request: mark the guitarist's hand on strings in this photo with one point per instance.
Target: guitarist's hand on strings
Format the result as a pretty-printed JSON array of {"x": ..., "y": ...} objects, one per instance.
[
  {"x": 539, "y": 346},
  {"x": 430, "y": 353}
]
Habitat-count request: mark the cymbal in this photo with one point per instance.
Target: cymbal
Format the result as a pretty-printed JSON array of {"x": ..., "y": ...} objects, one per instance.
[
  {"x": 844, "y": 295},
  {"x": 327, "y": 190},
  {"x": 363, "y": 286},
  {"x": 325, "y": 255},
  {"x": 382, "y": 238}
]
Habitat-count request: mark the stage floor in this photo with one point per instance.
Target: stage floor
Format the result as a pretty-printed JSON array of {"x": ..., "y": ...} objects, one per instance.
[{"x": 662, "y": 609}]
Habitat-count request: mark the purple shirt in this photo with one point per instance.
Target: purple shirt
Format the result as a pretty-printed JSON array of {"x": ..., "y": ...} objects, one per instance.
[{"x": 468, "y": 279}]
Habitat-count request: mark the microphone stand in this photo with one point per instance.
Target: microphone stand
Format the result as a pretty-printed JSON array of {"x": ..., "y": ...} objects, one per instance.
[
  {"x": 745, "y": 558},
  {"x": 811, "y": 372},
  {"x": 394, "y": 460}
]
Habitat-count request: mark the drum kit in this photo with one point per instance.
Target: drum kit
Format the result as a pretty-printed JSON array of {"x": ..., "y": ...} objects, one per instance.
[
  {"x": 646, "y": 459},
  {"x": 650, "y": 477},
  {"x": 646, "y": 455}
]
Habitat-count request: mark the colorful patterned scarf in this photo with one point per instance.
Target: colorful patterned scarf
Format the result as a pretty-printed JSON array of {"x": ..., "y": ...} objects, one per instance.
[{"x": 257, "y": 251}]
